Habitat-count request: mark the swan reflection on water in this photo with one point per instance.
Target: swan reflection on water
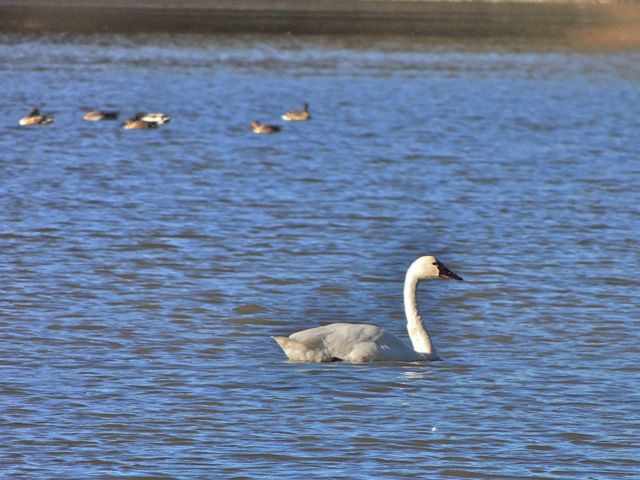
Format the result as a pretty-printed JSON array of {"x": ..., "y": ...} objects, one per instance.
[
  {"x": 413, "y": 375},
  {"x": 359, "y": 342}
]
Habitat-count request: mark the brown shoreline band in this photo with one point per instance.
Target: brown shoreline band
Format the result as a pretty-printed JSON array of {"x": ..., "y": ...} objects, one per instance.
[{"x": 416, "y": 18}]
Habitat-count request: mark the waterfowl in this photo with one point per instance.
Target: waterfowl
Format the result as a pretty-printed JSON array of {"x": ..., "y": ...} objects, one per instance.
[
  {"x": 353, "y": 342},
  {"x": 258, "y": 127},
  {"x": 35, "y": 118},
  {"x": 138, "y": 123},
  {"x": 300, "y": 116},
  {"x": 97, "y": 116},
  {"x": 158, "y": 118}
]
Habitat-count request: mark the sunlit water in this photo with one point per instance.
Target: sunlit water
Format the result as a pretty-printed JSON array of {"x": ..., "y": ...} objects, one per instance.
[{"x": 142, "y": 272}]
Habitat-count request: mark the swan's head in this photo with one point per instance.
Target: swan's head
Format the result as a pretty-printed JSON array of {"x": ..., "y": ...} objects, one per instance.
[{"x": 428, "y": 267}]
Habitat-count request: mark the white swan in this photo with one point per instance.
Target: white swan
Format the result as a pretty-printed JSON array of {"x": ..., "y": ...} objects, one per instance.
[{"x": 359, "y": 342}]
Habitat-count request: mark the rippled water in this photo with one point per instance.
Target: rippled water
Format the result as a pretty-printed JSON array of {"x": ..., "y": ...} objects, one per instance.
[{"x": 144, "y": 271}]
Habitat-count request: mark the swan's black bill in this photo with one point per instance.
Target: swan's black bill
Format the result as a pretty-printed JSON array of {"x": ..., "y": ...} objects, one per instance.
[{"x": 444, "y": 272}]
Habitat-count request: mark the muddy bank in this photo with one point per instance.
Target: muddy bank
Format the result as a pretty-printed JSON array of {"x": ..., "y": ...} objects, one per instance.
[{"x": 588, "y": 23}]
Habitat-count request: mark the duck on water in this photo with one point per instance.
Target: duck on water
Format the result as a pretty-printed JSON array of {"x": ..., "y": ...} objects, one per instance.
[
  {"x": 258, "y": 127},
  {"x": 35, "y": 118},
  {"x": 100, "y": 115},
  {"x": 297, "y": 116}
]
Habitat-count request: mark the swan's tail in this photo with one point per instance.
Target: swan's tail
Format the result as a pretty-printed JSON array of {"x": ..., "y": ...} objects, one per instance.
[{"x": 300, "y": 352}]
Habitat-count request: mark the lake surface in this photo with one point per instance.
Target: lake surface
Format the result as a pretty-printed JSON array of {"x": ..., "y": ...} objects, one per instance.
[{"x": 143, "y": 272}]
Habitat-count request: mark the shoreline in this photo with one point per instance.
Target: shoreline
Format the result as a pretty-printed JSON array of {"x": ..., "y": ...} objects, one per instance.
[{"x": 581, "y": 23}]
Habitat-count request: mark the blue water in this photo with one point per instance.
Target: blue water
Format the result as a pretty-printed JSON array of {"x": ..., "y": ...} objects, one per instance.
[{"x": 143, "y": 272}]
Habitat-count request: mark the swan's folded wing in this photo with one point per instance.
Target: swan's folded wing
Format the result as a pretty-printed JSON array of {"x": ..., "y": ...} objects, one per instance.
[
  {"x": 339, "y": 340},
  {"x": 301, "y": 352}
]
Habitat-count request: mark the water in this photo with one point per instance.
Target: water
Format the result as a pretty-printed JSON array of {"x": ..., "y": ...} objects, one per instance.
[{"x": 144, "y": 271}]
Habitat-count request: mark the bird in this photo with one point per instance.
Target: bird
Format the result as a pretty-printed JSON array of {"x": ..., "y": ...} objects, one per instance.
[
  {"x": 97, "y": 116},
  {"x": 158, "y": 118},
  {"x": 35, "y": 118},
  {"x": 258, "y": 127},
  {"x": 300, "y": 116},
  {"x": 138, "y": 123},
  {"x": 358, "y": 343}
]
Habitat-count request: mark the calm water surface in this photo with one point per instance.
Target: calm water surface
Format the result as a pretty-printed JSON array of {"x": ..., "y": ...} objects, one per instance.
[{"x": 144, "y": 271}]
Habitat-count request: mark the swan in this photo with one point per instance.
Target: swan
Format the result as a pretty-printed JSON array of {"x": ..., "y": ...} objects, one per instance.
[{"x": 359, "y": 342}]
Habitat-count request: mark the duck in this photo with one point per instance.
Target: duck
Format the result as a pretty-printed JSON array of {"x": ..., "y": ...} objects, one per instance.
[
  {"x": 137, "y": 122},
  {"x": 258, "y": 127},
  {"x": 36, "y": 118},
  {"x": 360, "y": 342},
  {"x": 97, "y": 116},
  {"x": 295, "y": 116},
  {"x": 158, "y": 118}
]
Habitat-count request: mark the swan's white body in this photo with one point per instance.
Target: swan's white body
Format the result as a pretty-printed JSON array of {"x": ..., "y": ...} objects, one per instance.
[{"x": 356, "y": 343}]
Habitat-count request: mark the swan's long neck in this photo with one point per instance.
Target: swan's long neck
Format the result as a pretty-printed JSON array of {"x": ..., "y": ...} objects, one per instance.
[{"x": 417, "y": 332}]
